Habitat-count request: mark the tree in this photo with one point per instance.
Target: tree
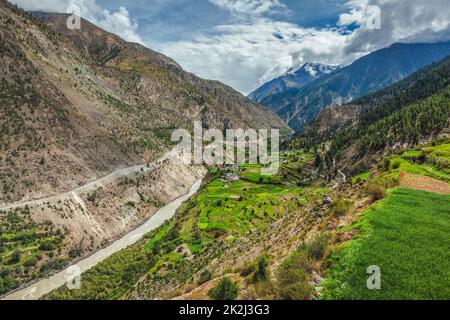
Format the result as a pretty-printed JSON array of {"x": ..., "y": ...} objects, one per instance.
[
  {"x": 15, "y": 258},
  {"x": 261, "y": 272},
  {"x": 225, "y": 290},
  {"x": 318, "y": 160}
]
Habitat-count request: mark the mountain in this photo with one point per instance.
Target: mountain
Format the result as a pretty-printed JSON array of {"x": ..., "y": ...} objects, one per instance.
[
  {"x": 96, "y": 102},
  {"x": 295, "y": 78},
  {"x": 85, "y": 128},
  {"x": 295, "y": 229},
  {"x": 298, "y": 107},
  {"x": 405, "y": 114}
]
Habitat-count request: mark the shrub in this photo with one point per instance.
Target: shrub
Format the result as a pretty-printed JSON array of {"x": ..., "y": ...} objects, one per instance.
[
  {"x": 396, "y": 165},
  {"x": 46, "y": 246},
  {"x": 261, "y": 273},
  {"x": 225, "y": 290},
  {"x": 317, "y": 247},
  {"x": 293, "y": 277},
  {"x": 248, "y": 269},
  {"x": 386, "y": 165},
  {"x": 205, "y": 276},
  {"x": 341, "y": 207},
  {"x": 376, "y": 192},
  {"x": 15, "y": 258},
  {"x": 30, "y": 261}
]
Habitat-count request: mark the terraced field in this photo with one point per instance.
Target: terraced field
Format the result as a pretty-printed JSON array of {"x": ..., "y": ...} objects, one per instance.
[{"x": 27, "y": 249}]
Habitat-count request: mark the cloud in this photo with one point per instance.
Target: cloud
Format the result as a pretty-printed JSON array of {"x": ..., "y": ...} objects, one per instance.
[
  {"x": 245, "y": 55},
  {"x": 245, "y": 43},
  {"x": 255, "y": 48},
  {"x": 400, "y": 21},
  {"x": 118, "y": 22},
  {"x": 249, "y": 7}
]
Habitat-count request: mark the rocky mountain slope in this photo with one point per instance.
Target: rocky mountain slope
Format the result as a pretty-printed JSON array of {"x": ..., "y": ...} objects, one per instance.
[
  {"x": 85, "y": 119},
  {"x": 298, "y": 107},
  {"x": 78, "y": 104},
  {"x": 295, "y": 78}
]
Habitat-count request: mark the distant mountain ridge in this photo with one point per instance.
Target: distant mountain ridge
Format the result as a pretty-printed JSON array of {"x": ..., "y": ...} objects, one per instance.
[
  {"x": 404, "y": 114},
  {"x": 298, "y": 107},
  {"x": 295, "y": 78}
]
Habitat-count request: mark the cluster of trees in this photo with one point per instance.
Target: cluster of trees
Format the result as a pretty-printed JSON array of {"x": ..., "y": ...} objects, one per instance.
[{"x": 415, "y": 107}]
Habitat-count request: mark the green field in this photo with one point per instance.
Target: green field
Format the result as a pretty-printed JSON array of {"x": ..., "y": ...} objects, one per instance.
[
  {"x": 408, "y": 236},
  {"x": 430, "y": 160},
  {"x": 239, "y": 207}
]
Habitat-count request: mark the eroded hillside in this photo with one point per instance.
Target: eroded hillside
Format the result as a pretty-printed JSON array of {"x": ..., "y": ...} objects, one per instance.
[{"x": 85, "y": 126}]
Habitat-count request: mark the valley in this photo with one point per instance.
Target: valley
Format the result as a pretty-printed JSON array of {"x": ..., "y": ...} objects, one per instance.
[
  {"x": 93, "y": 184},
  {"x": 312, "y": 225}
]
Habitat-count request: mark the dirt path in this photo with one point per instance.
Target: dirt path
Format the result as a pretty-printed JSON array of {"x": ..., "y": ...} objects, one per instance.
[
  {"x": 418, "y": 182},
  {"x": 101, "y": 182}
]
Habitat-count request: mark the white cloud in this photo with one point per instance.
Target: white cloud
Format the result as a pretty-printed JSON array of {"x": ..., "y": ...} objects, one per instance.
[
  {"x": 118, "y": 22},
  {"x": 248, "y": 54},
  {"x": 253, "y": 50},
  {"x": 254, "y": 46},
  {"x": 401, "y": 21},
  {"x": 249, "y": 7}
]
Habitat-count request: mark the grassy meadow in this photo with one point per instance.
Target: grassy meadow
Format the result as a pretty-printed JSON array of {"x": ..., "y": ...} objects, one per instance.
[{"x": 408, "y": 236}]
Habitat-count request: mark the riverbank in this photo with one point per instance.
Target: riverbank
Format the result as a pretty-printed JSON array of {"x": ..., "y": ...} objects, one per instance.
[{"x": 45, "y": 286}]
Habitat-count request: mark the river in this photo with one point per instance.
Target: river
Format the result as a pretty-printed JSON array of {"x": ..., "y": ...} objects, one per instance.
[{"x": 44, "y": 286}]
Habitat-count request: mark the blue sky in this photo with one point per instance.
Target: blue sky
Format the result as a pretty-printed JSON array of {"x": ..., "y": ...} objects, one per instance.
[{"x": 245, "y": 43}]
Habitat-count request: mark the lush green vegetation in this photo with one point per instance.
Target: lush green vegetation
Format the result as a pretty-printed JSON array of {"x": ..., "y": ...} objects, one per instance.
[
  {"x": 293, "y": 277},
  {"x": 28, "y": 250},
  {"x": 225, "y": 290},
  {"x": 432, "y": 160},
  {"x": 221, "y": 211},
  {"x": 405, "y": 235},
  {"x": 414, "y": 108},
  {"x": 237, "y": 208}
]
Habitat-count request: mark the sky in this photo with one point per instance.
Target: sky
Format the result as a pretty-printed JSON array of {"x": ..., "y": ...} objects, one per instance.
[{"x": 245, "y": 43}]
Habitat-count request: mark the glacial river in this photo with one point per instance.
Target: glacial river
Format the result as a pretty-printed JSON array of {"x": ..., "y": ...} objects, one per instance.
[{"x": 44, "y": 286}]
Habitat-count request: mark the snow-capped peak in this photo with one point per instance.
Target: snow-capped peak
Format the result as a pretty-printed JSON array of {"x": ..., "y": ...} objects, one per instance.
[{"x": 312, "y": 69}]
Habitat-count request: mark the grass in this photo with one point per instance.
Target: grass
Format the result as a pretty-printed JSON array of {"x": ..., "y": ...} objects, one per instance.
[
  {"x": 234, "y": 209},
  {"x": 430, "y": 160},
  {"x": 407, "y": 236}
]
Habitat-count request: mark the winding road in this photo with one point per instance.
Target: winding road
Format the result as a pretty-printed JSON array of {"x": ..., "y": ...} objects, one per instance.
[{"x": 100, "y": 182}]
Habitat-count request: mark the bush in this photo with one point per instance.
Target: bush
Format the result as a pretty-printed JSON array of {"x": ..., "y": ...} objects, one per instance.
[
  {"x": 46, "y": 246},
  {"x": 30, "y": 261},
  {"x": 225, "y": 290},
  {"x": 386, "y": 165},
  {"x": 15, "y": 258},
  {"x": 293, "y": 277},
  {"x": 341, "y": 207},
  {"x": 317, "y": 247},
  {"x": 248, "y": 269},
  {"x": 261, "y": 273},
  {"x": 205, "y": 276},
  {"x": 396, "y": 165},
  {"x": 376, "y": 192}
]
